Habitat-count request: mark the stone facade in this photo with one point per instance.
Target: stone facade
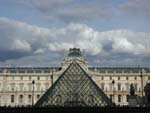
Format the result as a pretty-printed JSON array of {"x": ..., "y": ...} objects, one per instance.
[{"x": 16, "y": 88}]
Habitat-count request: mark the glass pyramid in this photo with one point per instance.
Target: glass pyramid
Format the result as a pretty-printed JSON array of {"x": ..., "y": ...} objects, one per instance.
[{"x": 74, "y": 88}]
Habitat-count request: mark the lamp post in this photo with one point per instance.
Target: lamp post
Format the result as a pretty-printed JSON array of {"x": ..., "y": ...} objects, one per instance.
[
  {"x": 113, "y": 82},
  {"x": 33, "y": 82},
  {"x": 52, "y": 76},
  {"x": 141, "y": 75}
]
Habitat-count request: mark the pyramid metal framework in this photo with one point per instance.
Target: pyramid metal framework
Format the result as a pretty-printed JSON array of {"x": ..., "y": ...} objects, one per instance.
[{"x": 74, "y": 88}]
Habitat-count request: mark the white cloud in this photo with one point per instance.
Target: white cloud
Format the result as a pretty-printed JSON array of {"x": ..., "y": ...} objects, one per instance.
[
  {"x": 27, "y": 38},
  {"x": 21, "y": 45},
  {"x": 70, "y": 10},
  {"x": 136, "y": 8}
]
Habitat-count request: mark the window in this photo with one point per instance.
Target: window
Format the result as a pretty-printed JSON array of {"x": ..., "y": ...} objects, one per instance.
[
  {"x": 46, "y": 71},
  {"x": 127, "y": 71},
  {"x": 12, "y": 86},
  {"x": 12, "y": 98},
  {"x": 127, "y": 86},
  {"x": 102, "y": 86},
  {"x": 135, "y": 78},
  {"x": 38, "y": 78},
  {"x": 110, "y": 70},
  {"x": 102, "y": 78},
  {"x": 135, "y": 71},
  {"x": 30, "y": 86},
  {"x": 38, "y": 96},
  {"x": 38, "y": 86},
  {"x": 127, "y": 78},
  {"x": 118, "y": 71},
  {"x": 20, "y": 98},
  {"x": 29, "y": 77},
  {"x": 118, "y": 77},
  {"x": 110, "y": 87},
  {"x": 110, "y": 77},
  {"x": 21, "y": 71},
  {"x": 30, "y": 71},
  {"x": 127, "y": 98},
  {"x": 148, "y": 77},
  {"x": 21, "y": 78},
  {"x": 13, "y": 77},
  {"x": 38, "y": 71},
  {"x": 29, "y": 98},
  {"x": 46, "y": 85},
  {"x": 119, "y": 98},
  {"x": 119, "y": 86},
  {"x": 21, "y": 86}
]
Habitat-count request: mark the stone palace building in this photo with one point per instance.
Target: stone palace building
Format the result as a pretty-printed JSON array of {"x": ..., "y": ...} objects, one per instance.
[{"x": 21, "y": 86}]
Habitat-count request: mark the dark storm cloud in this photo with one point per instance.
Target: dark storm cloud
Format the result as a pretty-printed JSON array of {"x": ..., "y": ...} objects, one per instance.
[{"x": 7, "y": 55}]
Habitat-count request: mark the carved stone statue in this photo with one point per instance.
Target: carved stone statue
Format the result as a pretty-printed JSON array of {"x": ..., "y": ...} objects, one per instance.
[{"x": 132, "y": 90}]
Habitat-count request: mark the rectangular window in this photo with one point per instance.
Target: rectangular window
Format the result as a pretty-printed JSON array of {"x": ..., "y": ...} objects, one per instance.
[
  {"x": 119, "y": 87},
  {"x": 135, "y": 78},
  {"x": 118, "y": 71},
  {"x": 102, "y": 78},
  {"x": 102, "y": 86},
  {"x": 110, "y": 77},
  {"x": 21, "y": 71},
  {"x": 30, "y": 99},
  {"x": 38, "y": 71},
  {"x": 20, "y": 98},
  {"x": 126, "y": 70},
  {"x": 38, "y": 96},
  {"x": 38, "y": 78},
  {"x": 119, "y": 98},
  {"x": 30, "y": 71},
  {"x": 127, "y": 78},
  {"x": 30, "y": 77},
  {"x": 119, "y": 78},
  {"x": 148, "y": 77},
  {"x": 21, "y": 78},
  {"x": 127, "y": 98},
  {"x": 110, "y": 71},
  {"x": 12, "y": 98}
]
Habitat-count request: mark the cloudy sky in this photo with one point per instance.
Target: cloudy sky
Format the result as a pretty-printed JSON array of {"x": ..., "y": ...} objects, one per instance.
[{"x": 38, "y": 32}]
